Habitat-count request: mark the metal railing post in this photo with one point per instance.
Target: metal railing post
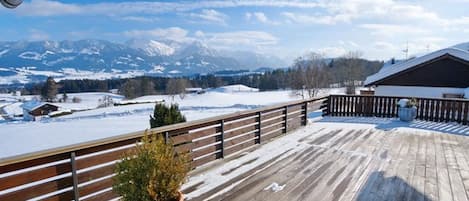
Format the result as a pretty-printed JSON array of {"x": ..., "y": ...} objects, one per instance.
[
  {"x": 222, "y": 126},
  {"x": 305, "y": 121},
  {"x": 76, "y": 194}
]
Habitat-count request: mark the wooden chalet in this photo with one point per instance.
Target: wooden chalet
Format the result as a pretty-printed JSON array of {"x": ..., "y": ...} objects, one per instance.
[
  {"x": 34, "y": 109},
  {"x": 441, "y": 74}
]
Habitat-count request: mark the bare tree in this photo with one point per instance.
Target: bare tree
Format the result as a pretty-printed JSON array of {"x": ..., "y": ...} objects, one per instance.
[
  {"x": 352, "y": 70},
  {"x": 309, "y": 75},
  {"x": 177, "y": 86},
  {"x": 106, "y": 101}
]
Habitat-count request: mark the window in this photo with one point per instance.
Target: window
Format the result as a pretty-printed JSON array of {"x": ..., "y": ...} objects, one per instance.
[{"x": 453, "y": 95}]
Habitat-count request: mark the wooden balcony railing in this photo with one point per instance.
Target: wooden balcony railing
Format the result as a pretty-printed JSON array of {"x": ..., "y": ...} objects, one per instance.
[
  {"x": 84, "y": 171},
  {"x": 428, "y": 109}
]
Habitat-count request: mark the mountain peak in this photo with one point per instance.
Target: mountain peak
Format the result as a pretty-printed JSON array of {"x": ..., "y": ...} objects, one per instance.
[
  {"x": 196, "y": 47},
  {"x": 151, "y": 47}
]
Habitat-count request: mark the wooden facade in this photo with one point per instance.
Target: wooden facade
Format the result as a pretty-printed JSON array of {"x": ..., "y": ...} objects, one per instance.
[
  {"x": 45, "y": 109},
  {"x": 444, "y": 71}
]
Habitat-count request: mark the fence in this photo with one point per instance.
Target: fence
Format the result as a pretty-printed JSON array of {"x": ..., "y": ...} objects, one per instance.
[
  {"x": 428, "y": 109},
  {"x": 84, "y": 171}
]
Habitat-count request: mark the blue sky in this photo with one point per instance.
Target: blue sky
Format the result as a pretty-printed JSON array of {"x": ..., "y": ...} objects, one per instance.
[{"x": 380, "y": 29}]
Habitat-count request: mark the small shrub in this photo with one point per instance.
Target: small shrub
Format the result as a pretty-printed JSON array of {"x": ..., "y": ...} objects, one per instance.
[
  {"x": 76, "y": 100},
  {"x": 154, "y": 171},
  {"x": 164, "y": 115},
  {"x": 407, "y": 103},
  {"x": 106, "y": 101},
  {"x": 350, "y": 90}
]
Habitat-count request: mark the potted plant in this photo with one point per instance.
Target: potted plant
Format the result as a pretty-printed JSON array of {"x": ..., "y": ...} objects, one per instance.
[
  {"x": 153, "y": 171},
  {"x": 407, "y": 109}
]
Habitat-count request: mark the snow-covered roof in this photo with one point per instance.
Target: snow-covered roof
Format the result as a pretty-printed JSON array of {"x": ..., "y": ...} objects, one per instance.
[
  {"x": 32, "y": 105},
  {"x": 396, "y": 68}
]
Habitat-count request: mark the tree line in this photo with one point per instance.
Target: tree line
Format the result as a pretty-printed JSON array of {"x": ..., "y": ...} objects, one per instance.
[{"x": 308, "y": 73}]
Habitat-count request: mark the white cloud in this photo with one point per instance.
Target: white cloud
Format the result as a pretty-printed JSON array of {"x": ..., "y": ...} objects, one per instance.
[
  {"x": 199, "y": 34},
  {"x": 248, "y": 16},
  {"x": 316, "y": 19},
  {"x": 350, "y": 44},
  {"x": 394, "y": 30},
  {"x": 50, "y": 8},
  {"x": 384, "y": 46},
  {"x": 36, "y": 35},
  {"x": 138, "y": 19},
  {"x": 172, "y": 33},
  {"x": 210, "y": 15},
  {"x": 248, "y": 40},
  {"x": 333, "y": 51},
  {"x": 240, "y": 40},
  {"x": 260, "y": 17}
]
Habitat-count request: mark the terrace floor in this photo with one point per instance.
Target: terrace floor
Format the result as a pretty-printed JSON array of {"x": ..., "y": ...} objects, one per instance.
[{"x": 345, "y": 159}]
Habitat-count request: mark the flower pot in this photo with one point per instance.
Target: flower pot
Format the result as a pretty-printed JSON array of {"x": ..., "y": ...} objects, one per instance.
[{"x": 407, "y": 114}]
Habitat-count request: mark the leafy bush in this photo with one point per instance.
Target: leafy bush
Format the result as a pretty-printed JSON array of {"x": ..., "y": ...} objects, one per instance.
[
  {"x": 164, "y": 115},
  {"x": 76, "y": 100},
  {"x": 407, "y": 103},
  {"x": 153, "y": 171}
]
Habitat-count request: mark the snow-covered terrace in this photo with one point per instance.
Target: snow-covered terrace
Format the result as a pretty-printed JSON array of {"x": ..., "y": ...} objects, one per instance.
[
  {"x": 345, "y": 158},
  {"x": 353, "y": 153}
]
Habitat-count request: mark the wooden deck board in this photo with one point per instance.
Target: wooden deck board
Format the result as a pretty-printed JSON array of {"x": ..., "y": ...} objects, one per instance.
[{"x": 352, "y": 164}]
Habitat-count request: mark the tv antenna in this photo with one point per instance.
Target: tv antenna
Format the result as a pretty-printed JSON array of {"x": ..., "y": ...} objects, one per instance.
[{"x": 406, "y": 50}]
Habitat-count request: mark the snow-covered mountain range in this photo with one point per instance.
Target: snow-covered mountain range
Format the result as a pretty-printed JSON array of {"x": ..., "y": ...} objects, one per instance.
[{"x": 24, "y": 61}]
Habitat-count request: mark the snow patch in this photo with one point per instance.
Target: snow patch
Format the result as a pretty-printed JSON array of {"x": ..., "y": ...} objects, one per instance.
[
  {"x": 235, "y": 88},
  {"x": 51, "y": 63},
  {"x": 35, "y": 55},
  {"x": 66, "y": 50},
  {"x": 4, "y": 52},
  {"x": 30, "y": 55},
  {"x": 90, "y": 51},
  {"x": 275, "y": 187},
  {"x": 152, "y": 47}
]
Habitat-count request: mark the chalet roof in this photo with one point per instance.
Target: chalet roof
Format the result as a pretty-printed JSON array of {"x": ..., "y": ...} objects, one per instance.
[
  {"x": 399, "y": 67},
  {"x": 32, "y": 105}
]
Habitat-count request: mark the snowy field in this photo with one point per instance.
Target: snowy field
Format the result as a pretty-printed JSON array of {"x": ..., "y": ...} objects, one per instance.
[{"x": 20, "y": 137}]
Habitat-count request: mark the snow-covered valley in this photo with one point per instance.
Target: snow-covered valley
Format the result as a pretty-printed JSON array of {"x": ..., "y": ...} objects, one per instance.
[{"x": 91, "y": 123}]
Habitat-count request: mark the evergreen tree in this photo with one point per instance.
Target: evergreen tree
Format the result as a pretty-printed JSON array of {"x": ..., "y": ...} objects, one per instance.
[
  {"x": 64, "y": 97},
  {"x": 164, "y": 115},
  {"x": 152, "y": 171}
]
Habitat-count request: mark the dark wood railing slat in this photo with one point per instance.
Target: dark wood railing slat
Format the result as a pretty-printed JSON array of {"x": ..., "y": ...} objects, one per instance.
[
  {"x": 465, "y": 113},
  {"x": 428, "y": 109}
]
